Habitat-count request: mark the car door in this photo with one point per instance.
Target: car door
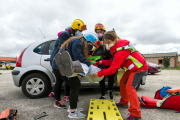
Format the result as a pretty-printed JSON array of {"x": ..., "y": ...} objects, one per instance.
[{"x": 45, "y": 58}]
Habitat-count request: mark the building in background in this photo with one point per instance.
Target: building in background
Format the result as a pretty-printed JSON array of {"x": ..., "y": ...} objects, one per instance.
[
  {"x": 5, "y": 60},
  {"x": 157, "y": 58},
  {"x": 179, "y": 59}
]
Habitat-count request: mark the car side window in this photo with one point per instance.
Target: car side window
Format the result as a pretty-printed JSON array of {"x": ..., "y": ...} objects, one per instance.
[
  {"x": 39, "y": 49},
  {"x": 51, "y": 46}
]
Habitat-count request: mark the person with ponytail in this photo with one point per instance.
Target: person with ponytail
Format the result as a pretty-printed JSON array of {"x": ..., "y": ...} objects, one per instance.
[{"x": 128, "y": 58}]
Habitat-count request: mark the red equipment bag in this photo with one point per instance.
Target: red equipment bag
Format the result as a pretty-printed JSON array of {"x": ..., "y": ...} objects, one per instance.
[
  {"x": 170, "y": 102},
  {"x": 173, "y": 102},
  {"x": 8, "y": 114},
  {"x": 157, "y": 95},
  {"x": 148, "y": 102}
]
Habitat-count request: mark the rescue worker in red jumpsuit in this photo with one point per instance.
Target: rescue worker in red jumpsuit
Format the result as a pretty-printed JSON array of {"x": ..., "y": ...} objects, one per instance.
[{"x": 127, "y": 57}]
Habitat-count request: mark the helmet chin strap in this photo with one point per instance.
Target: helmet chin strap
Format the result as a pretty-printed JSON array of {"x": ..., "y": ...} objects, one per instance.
[{"x": 73, "y": 31}]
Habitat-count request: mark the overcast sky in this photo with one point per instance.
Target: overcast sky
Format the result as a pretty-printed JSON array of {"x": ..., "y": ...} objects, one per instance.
[{"x": 153, "y": 26}]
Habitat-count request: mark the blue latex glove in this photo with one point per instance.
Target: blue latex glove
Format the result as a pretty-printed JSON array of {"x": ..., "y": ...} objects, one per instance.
[{"x": 89, "y": 69}]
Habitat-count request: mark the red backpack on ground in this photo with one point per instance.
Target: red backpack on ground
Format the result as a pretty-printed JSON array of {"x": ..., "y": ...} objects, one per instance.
[
  {"x": 172, "y": 101},
  {"x": 8, "y": 114}
]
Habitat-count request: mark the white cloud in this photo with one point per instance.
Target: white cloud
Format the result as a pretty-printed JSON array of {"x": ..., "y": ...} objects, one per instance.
[{"x": 152, "y": 25}]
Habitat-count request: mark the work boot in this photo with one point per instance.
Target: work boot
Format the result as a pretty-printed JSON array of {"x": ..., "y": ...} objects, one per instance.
[
  {"x": 66, "y": 65},
  {"x": 122, "y": 106},
  {"x": 131, "y": 117},
  {"x": 110, "y": 94}
]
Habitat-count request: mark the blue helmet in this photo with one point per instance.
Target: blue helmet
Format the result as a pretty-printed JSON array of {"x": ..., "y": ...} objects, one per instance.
[
  {"x": 68, "y": 27},
  {"x": 91, "y": 37}
]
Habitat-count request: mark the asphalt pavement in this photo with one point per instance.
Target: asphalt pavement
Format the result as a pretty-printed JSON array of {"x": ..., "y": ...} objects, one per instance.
[{"x": 12, "y": 97}]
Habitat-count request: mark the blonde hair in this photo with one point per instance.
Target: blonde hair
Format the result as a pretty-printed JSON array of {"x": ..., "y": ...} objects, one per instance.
[{"x": 110, "y": 35}]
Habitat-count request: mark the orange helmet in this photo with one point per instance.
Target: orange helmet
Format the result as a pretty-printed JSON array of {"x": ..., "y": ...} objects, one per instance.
[{"x": 100, "y": 26}]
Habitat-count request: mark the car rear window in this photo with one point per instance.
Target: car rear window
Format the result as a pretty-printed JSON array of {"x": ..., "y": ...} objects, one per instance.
[{"x": 39, "y": 49}]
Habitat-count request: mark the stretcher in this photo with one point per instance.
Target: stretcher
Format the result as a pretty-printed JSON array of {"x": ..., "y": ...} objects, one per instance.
[{"x": 100, "y": 109}]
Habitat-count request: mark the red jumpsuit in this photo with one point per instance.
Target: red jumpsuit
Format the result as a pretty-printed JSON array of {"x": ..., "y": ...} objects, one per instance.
[{"x": 130, "y": 78}]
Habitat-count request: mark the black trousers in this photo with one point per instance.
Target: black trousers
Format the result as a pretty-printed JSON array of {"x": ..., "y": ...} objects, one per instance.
[
  {"x": 110, "y": 84},
  {"x": 74, "y": 84},
  {"x": 58, "y": 86}
]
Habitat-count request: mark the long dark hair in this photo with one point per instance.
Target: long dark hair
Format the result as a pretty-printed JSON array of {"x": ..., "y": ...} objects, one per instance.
[{"x": 84, "y": 45}]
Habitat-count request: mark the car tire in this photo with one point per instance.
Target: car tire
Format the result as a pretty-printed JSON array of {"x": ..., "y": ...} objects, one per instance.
[
  {"x": 6, "y": 68},
  {"x": 35, "y": 85}
]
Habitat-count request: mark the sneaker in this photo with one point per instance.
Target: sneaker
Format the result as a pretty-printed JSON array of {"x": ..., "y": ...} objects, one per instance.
[
  {"x": 110, "y": 94},
  {"x": 64, "y": 62},
  {"x": 59, "y": 104},
  {"x": 52, "y": 95},
  {"x": 122, "y": 106},
  {"x": 79, "y": 109},
  {"x": 66, "y": 98},
  {"x": 131, "y": 117},
  {"x": 102, "y": 97},
  {"x": 76, "y": 114}
]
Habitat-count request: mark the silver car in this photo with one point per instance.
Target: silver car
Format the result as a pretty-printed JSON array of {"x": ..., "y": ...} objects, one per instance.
[{"x": 33, "y": 72}]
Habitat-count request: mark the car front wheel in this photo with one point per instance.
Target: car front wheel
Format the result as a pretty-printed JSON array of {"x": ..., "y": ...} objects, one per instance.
[{"x": 35, "y": 85}]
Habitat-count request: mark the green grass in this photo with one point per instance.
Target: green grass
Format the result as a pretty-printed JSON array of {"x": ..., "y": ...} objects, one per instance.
[
  {"x": 0, "y": 73},
  {"x": 178, "y": 68},
  {"x": 2, "y": 68},
  {"x": 116, "y": 93}
]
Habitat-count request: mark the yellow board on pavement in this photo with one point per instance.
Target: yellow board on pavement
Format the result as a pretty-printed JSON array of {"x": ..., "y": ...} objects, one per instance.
[{"x": 100, "y": 109}]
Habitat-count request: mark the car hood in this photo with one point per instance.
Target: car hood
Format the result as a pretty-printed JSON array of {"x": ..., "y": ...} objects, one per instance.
[{"x": 153, "y": 65}]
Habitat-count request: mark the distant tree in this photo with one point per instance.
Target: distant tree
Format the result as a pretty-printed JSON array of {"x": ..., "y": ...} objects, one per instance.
[{"x": 166, "y": 61}]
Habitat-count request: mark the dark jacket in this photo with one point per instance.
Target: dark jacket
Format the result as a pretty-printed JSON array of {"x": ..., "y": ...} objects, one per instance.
[
  {"x": 62, "y": 38},
  {"x": 75, "y": 51},
  {"x": 106, "y": 55}
]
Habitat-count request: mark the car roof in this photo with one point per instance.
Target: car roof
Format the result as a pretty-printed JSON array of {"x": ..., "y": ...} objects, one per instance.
[{"x": 46, "y": 39}]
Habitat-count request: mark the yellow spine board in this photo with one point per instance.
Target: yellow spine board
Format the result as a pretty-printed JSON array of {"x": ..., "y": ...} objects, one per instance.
[{"x": 100, "y": 109}]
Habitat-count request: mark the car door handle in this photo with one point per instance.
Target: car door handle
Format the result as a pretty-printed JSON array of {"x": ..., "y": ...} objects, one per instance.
[{"x": 48, "y": 59}]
